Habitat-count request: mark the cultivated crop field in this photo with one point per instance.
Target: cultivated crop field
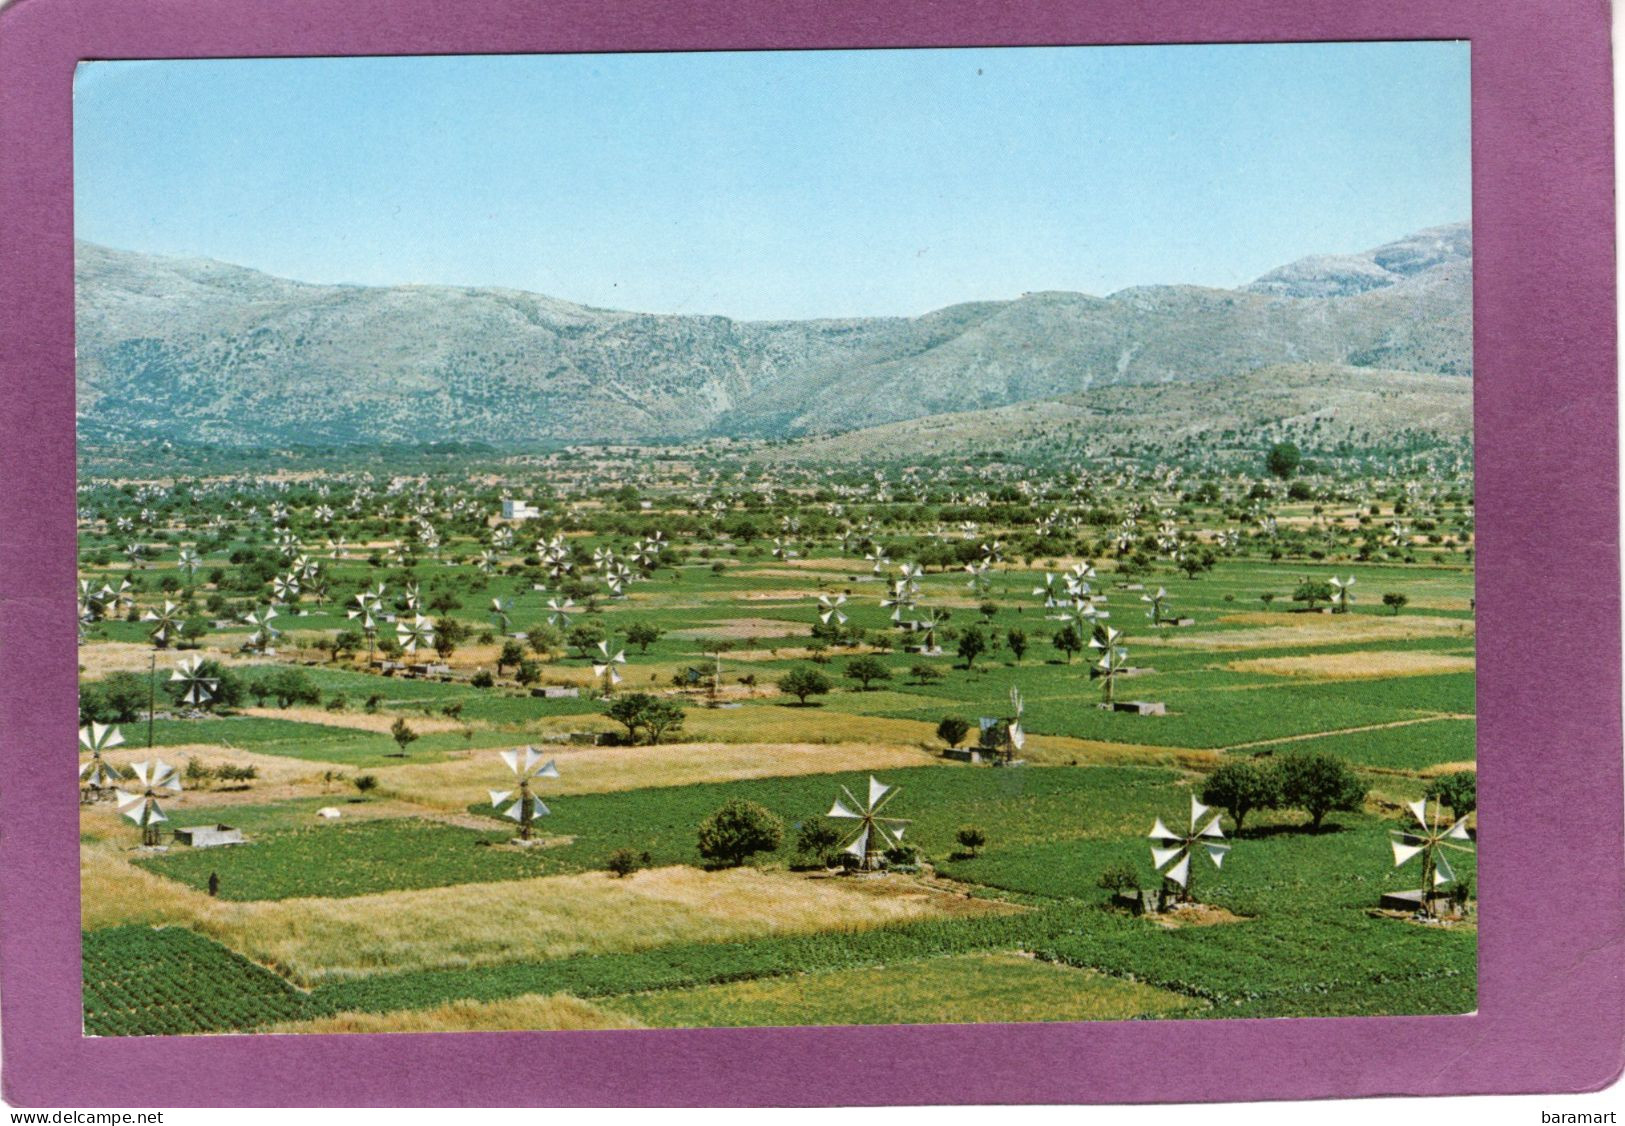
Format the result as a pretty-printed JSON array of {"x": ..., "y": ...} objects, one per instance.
[{"x": 333, "y": 659}]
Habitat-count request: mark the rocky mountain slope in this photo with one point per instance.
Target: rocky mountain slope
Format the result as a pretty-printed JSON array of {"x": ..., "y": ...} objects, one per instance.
[{"x": 204, "y": 351}]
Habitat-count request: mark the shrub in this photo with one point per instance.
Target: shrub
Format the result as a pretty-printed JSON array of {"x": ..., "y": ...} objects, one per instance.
[
  {"x": 1119, "y": 877},
  {"x": 817, "y": 841},
  {"x": 738, "y": 831},
  {"x": 483, "y": 679},
  {"x": 364, "y": 783},
  {"x": 623, "y": 862},
  {"x": 970, "y": 838},
  {"x": 1459, "y": 791}
]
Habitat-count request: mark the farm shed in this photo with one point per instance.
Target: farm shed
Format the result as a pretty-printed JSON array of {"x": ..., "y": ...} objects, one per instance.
[{"x": 209, "y": 836}]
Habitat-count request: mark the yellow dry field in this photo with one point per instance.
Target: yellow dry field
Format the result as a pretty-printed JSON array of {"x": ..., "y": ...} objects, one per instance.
[
  {"x": 316, "y": 940},
  {"x": 588, "y": 770},
  {"x": 742, "y": 628},
  {"x": 379, "y": 722},
  {"x": 532, "y": 1011},
  {"x": 1368, "y": 664},
  {"x": 99, "y": 658},
  {"x": 1280, "y": 631}
]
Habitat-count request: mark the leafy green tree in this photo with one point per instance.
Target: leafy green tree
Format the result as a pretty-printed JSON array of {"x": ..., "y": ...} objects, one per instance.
[
  {"x": 1312, "y": 591},
  {"x": 1318, "y": 783},
  {"x": 1459, "y": 791},
  {"x": 972, "y": 644},
  {"x": 663, "y": 717},
  {"x": 1396, "y": 601},
  {"x": 867, "y": 670},
  {"x": 817, "y": 841},
  {"x": 1017, "y": 640},
  {"x": 1238, "y": 788},
  {"x": 1283, "y": 460},
  {"x": 585, "y": 637},
  {"x": 924, "y": 673},
  {"x": 347, "y": 643},
  {"x": 121, "y": 697},
  {"x": 629, "y": 710},
  {"x": 448, "y": 634},
  {"x": 952, "y": 730},
  {"x": 403, "y": 734},
  {"x": 289, "y": 686},
  {"x": 511, "y": 654},
  {"x": 643, "y": 635},
  {"x": 1069, "y": 641},
  {"x": 546, "y": 640},
  {"x": 738, "y": 831},
  {"x": 804, "y": 682},
  {"x": 365, "y": 783}
]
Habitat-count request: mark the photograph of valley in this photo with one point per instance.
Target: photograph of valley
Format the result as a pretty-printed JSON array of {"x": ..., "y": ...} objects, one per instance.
[{"x": 760, "y": 539}]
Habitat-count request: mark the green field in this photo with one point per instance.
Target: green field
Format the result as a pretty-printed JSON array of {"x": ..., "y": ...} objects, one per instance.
[{"x": 1020, "y": 927}]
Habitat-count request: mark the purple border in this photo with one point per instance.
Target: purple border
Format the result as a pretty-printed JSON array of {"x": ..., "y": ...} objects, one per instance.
[{"x": 1552, "y": 1007}]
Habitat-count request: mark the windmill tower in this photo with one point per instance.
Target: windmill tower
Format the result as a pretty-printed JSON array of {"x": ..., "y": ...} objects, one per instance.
[
  {"x": 873, "y": 834},
  {"x": 1342, "y": 595},
  {"x": 1429, "y": 841},
  {"x": 1171, "y": 852},
  {"x": 605, "y": 667},
  {"x": 142, "y": 807},
  {"x": 527, "y": 766},
  {"x": 1113, "y": 658}
]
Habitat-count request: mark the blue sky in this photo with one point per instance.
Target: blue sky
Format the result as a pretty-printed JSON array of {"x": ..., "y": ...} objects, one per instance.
[{"x": 784, "y": 184}]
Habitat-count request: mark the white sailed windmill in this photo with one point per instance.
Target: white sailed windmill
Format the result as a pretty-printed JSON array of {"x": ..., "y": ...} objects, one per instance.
[
  {"x": 196, "y": 689},
  {"x": 879, "y": 558},
  {"x": 99, "y": 776},
  {"x": 527, "y": 766},
  {"x": 1155, "y": 600},
  {"x": 1341, "y": 594},
  {"x": 1015, "y": 738},
  {"x": 1429, "y": 841},
  {"x": 559, "y": 612},
  {"x": 831, "y": 608},
  {"x": 605, "y": 667},
  {"x": 166, "y": 624},
  {"x": 499, "y": 612},
  {"x": 874, "y": 834},
  {"x": 366, "y": 609},
  {"x": 189, "y": 562},
  {"x": 1171, "y": 852},
  {"x": 782, "y": 549},
  {"x": 1113, "y": 657},
  {"x": 415, "y": 634},
  {"x": 980, "y": 579},
  {"x": 142, "y": 806},
  {"x": 1048, "y": 590},
  {"x": 264, "y": 633}
]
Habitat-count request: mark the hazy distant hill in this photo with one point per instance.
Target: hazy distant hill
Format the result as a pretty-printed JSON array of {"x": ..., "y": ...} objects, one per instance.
[
  {"x": 205, "y": 351},
  {"x": 1322, "y": 408}
]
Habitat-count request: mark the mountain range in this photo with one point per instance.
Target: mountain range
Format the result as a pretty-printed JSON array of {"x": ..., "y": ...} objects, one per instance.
[{"x": 202, "y": 351}]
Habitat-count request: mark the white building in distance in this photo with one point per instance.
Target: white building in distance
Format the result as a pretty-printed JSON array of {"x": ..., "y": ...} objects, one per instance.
[{"x": 518, "y": 510}]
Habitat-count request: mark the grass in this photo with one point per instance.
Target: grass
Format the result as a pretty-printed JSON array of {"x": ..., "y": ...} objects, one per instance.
[
  {"x": 951, "y": 990},
  {"x": 531, "y": 1011}
]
